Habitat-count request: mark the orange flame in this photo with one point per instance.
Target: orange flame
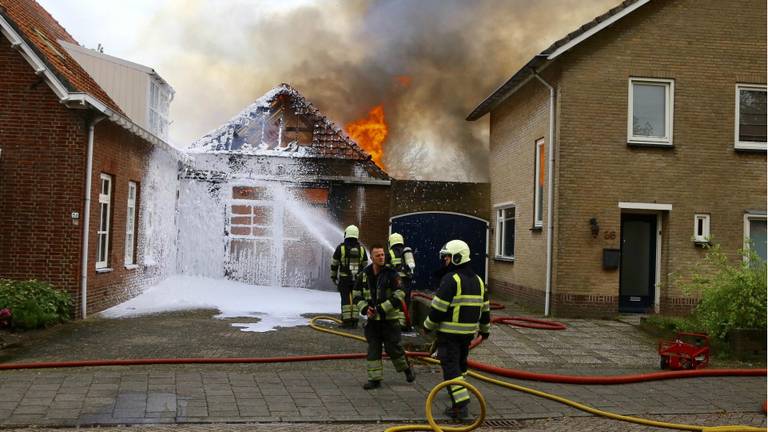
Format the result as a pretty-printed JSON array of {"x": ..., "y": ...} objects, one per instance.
[{"x": 370, "y": 133}]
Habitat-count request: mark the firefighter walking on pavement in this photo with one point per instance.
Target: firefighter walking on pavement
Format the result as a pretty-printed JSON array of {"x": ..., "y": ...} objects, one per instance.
[
  {"x": 459, "y": 309},
  {"x": 378, "y": 294},
  {"x": 348, "y": 259},
  {"x": 400, "y": 257}
]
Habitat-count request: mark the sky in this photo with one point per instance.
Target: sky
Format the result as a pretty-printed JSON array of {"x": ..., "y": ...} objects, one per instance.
[
  {"x": 428, "y": 63},
  {"x": 273, "y": 306}
]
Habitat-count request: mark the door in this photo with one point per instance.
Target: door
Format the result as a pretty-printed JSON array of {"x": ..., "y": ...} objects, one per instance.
[
  {"x": 638, "y": 262},
  {"x": 427, "y": 232}
]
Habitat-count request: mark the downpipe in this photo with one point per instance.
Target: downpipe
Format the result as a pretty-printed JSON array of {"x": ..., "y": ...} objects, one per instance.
[{"x": 87, "y": 217}]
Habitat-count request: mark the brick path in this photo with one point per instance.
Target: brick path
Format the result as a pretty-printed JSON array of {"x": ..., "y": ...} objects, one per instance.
[{"x": 328, "y": 395}]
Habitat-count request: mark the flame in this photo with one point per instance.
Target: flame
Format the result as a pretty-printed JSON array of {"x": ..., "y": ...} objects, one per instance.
[
  {"x": 403, "y": 80},
  {"x": 370, "y": 133}
]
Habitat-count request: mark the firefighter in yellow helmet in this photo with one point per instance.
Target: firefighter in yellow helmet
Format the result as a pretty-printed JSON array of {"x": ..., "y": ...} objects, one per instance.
[
  {"x": 459, "y": 309},
  {"x": 400, "y": 257},
  {"x": 348, "y": 260}
]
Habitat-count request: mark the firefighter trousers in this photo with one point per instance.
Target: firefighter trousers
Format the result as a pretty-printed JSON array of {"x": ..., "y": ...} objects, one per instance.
[
  {"x": 386, "y": 332},
  {"x": 452, "y": 351},
  {"x": 349, "y": 310}
]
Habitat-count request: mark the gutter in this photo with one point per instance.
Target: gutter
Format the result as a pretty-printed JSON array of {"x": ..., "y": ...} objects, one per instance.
[
  {"x": 87, "y": 219},
  {"x": 550, "y": 187}
]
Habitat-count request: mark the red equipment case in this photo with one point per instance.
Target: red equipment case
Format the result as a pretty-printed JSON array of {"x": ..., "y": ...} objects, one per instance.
[{"x": 686, "y": 351}]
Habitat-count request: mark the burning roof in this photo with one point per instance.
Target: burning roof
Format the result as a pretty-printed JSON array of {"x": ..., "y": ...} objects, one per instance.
[{"x": 283, "y": 123}]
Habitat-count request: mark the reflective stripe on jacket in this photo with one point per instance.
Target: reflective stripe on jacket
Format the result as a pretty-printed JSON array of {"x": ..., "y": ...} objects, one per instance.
[{"x": 460, "y": 305}]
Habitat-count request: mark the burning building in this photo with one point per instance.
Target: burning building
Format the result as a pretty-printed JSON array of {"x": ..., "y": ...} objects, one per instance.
[{"x": 264, "y": 196}]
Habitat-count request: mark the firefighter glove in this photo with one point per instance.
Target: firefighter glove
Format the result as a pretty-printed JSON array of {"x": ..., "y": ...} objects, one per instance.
[{"x": 485, "y": 335}]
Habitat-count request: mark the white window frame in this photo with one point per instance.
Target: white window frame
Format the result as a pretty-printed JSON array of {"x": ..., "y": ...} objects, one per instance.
[
  {"x": 130, "y": 224},
  {"x": 669, "y": 93},
  {"x": 704, "y": 236},
  {"x": 747, "y": 218},
  {"x": 538, "y": 193},
  {"x": 745, "y": 145},
  {"x": 102, "y": 256},
  {"x": 500, "y": 221},
  {"x": 158, "y": 108}
]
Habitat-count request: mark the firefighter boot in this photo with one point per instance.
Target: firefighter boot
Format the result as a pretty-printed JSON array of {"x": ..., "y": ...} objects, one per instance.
[
  {"x": 370, "y": 385},
  {"x": 457, "y": 412},
  {"x": 409, "y": 375}
]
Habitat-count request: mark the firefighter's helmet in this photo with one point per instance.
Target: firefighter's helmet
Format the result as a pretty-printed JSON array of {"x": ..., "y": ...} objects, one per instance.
[
  {"x": 351, "y": 232},
  {"x": 457, "y": 250},
  {"x": 396, "y": 238}
]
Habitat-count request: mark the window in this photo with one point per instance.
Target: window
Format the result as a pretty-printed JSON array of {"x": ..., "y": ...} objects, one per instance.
[
  {"x": 130, "y": 225},
  {"x": 538, "y": 192},
  {"x": 755, "y": 234},
  {"x": 701, "y": 228},
  {"x": 505, "y": 232},
  {"x": 651, "y": 103},
  {"x": 750, "y": 117},
  {"x": 159, "y": 101},
  {"x": 105, "y": 199}
]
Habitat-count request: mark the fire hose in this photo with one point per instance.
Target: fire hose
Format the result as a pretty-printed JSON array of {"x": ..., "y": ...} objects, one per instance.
[{"x": 571, "y": 379}]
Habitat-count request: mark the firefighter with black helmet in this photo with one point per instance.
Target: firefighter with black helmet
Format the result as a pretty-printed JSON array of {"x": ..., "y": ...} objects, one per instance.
[
  {"x": 400, "y": 257},
  {"x": 348, "y": 260},
  {"x": 378, "y": 295},
  {"x": 459, "y": 309}
]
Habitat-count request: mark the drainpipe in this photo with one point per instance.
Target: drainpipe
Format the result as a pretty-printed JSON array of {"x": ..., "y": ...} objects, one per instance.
[
  {"x": 550, "y": 187},
  {"x": 87, "y": 218}
]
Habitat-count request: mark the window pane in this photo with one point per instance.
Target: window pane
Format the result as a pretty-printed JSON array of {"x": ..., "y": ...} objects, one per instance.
[
  {"x": 752, "y": 112},
  {"x": 757, "y": 235},
  {"x": 102, "y": 254},
  {"x": 649, "y": 110},
  {"x": 103, "y": 225},
  {"x": 509, "y": 237}
]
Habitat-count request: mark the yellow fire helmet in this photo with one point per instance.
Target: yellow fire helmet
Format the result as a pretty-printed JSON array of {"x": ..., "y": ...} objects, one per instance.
[
  {"x": 351, "y": 232},
  {"x": 457, "y": 250},
  {"x": 396, "y": 238}
]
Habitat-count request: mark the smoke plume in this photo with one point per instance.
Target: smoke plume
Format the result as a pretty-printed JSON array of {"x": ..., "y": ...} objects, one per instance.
[{"x": 428, "y": 62}]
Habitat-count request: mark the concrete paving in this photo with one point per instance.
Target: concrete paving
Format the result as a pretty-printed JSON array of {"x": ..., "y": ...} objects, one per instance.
[{"x": 330, "y": 394}]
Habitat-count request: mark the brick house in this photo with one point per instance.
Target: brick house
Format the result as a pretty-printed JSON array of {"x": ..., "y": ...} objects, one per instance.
[
  {"x": 645, "y": 133},
  {"x": 74, "y": 169},
  {"x": 268, "y": 179}
]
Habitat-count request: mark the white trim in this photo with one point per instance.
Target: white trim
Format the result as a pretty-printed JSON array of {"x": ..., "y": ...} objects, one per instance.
[
  {"x": 747, "y": 218},
  {"x": 130, "y": 225},
  {"x": 745, "y": 145},
  {"x": 104, "y": 230},
  {"x": 669, "y": 107},
  {"x": 705, "y": 235},
  {"x": 629, "y": 9},
  {"x": 435, "y": 212},
  {"x": 644, "y": 206},
  {"x": 538, "y": 209},
  {"x": 498, "y": 250}
]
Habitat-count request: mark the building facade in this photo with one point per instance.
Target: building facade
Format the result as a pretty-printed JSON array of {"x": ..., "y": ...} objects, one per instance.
[{"x": 657, "y": 119}]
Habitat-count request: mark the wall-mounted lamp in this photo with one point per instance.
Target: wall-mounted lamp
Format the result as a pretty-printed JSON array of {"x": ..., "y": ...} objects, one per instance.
[{"x": 594, "y": 227}]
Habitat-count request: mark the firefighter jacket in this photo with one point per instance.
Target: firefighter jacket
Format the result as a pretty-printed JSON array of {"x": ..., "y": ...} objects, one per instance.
[
  {"x": 396, "y": 260},
  {"x": 384, "y": 292},
  {"x": 460, "y": 305},
  {"x": 348, "y": 260}
]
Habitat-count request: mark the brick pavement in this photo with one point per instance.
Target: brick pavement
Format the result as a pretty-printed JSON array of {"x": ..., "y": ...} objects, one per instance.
[{"x": 322, "y": 392}]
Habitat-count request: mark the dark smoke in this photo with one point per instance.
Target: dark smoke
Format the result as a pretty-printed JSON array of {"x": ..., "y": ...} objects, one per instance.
[{"x": 345, "y": 57}]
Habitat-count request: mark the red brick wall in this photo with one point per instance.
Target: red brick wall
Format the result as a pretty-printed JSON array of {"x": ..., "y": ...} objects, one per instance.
[
  {"x": 368, "y": 209},
  {"x": 41, "y": 177},
  {"x": 124, "y": 156}
]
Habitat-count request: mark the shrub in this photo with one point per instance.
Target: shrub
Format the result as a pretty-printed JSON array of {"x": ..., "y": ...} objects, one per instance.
[
  {"x": 733, "y": 294},
  {"x": 34, "y": 304}
]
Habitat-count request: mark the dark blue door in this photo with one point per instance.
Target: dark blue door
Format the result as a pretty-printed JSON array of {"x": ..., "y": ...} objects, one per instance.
[{"x": 427, "y": 232}]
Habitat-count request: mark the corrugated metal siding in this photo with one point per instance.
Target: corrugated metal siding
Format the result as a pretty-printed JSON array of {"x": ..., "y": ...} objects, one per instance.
[{"x": 128, "y": 87}]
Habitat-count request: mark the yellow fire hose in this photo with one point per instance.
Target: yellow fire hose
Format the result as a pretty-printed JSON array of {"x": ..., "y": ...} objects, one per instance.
[{"x": 433, "y": 426}]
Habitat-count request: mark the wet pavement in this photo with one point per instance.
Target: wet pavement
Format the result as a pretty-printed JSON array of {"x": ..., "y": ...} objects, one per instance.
[{"x": 329, "y": 393}]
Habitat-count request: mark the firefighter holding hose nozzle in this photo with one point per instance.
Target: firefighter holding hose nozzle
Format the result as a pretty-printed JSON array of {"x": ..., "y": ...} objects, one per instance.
[{"x": 348, "y": 259}]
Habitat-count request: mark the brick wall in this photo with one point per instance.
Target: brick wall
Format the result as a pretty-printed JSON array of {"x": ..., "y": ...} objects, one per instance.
[
  {"x": 366, "y": 206},
  {"x": 690, "y": 42},
  {"x": 515, "y": 127},
  {"x": 41, "y": 177}
]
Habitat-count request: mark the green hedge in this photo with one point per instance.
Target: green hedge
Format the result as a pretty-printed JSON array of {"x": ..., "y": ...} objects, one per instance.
[{"x": 34, "y": 304}]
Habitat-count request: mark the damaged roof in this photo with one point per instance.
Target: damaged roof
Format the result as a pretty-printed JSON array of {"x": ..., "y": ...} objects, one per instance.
[
  {"x": 553, "y": 51},
  {"x": 328, "y": 140}
]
